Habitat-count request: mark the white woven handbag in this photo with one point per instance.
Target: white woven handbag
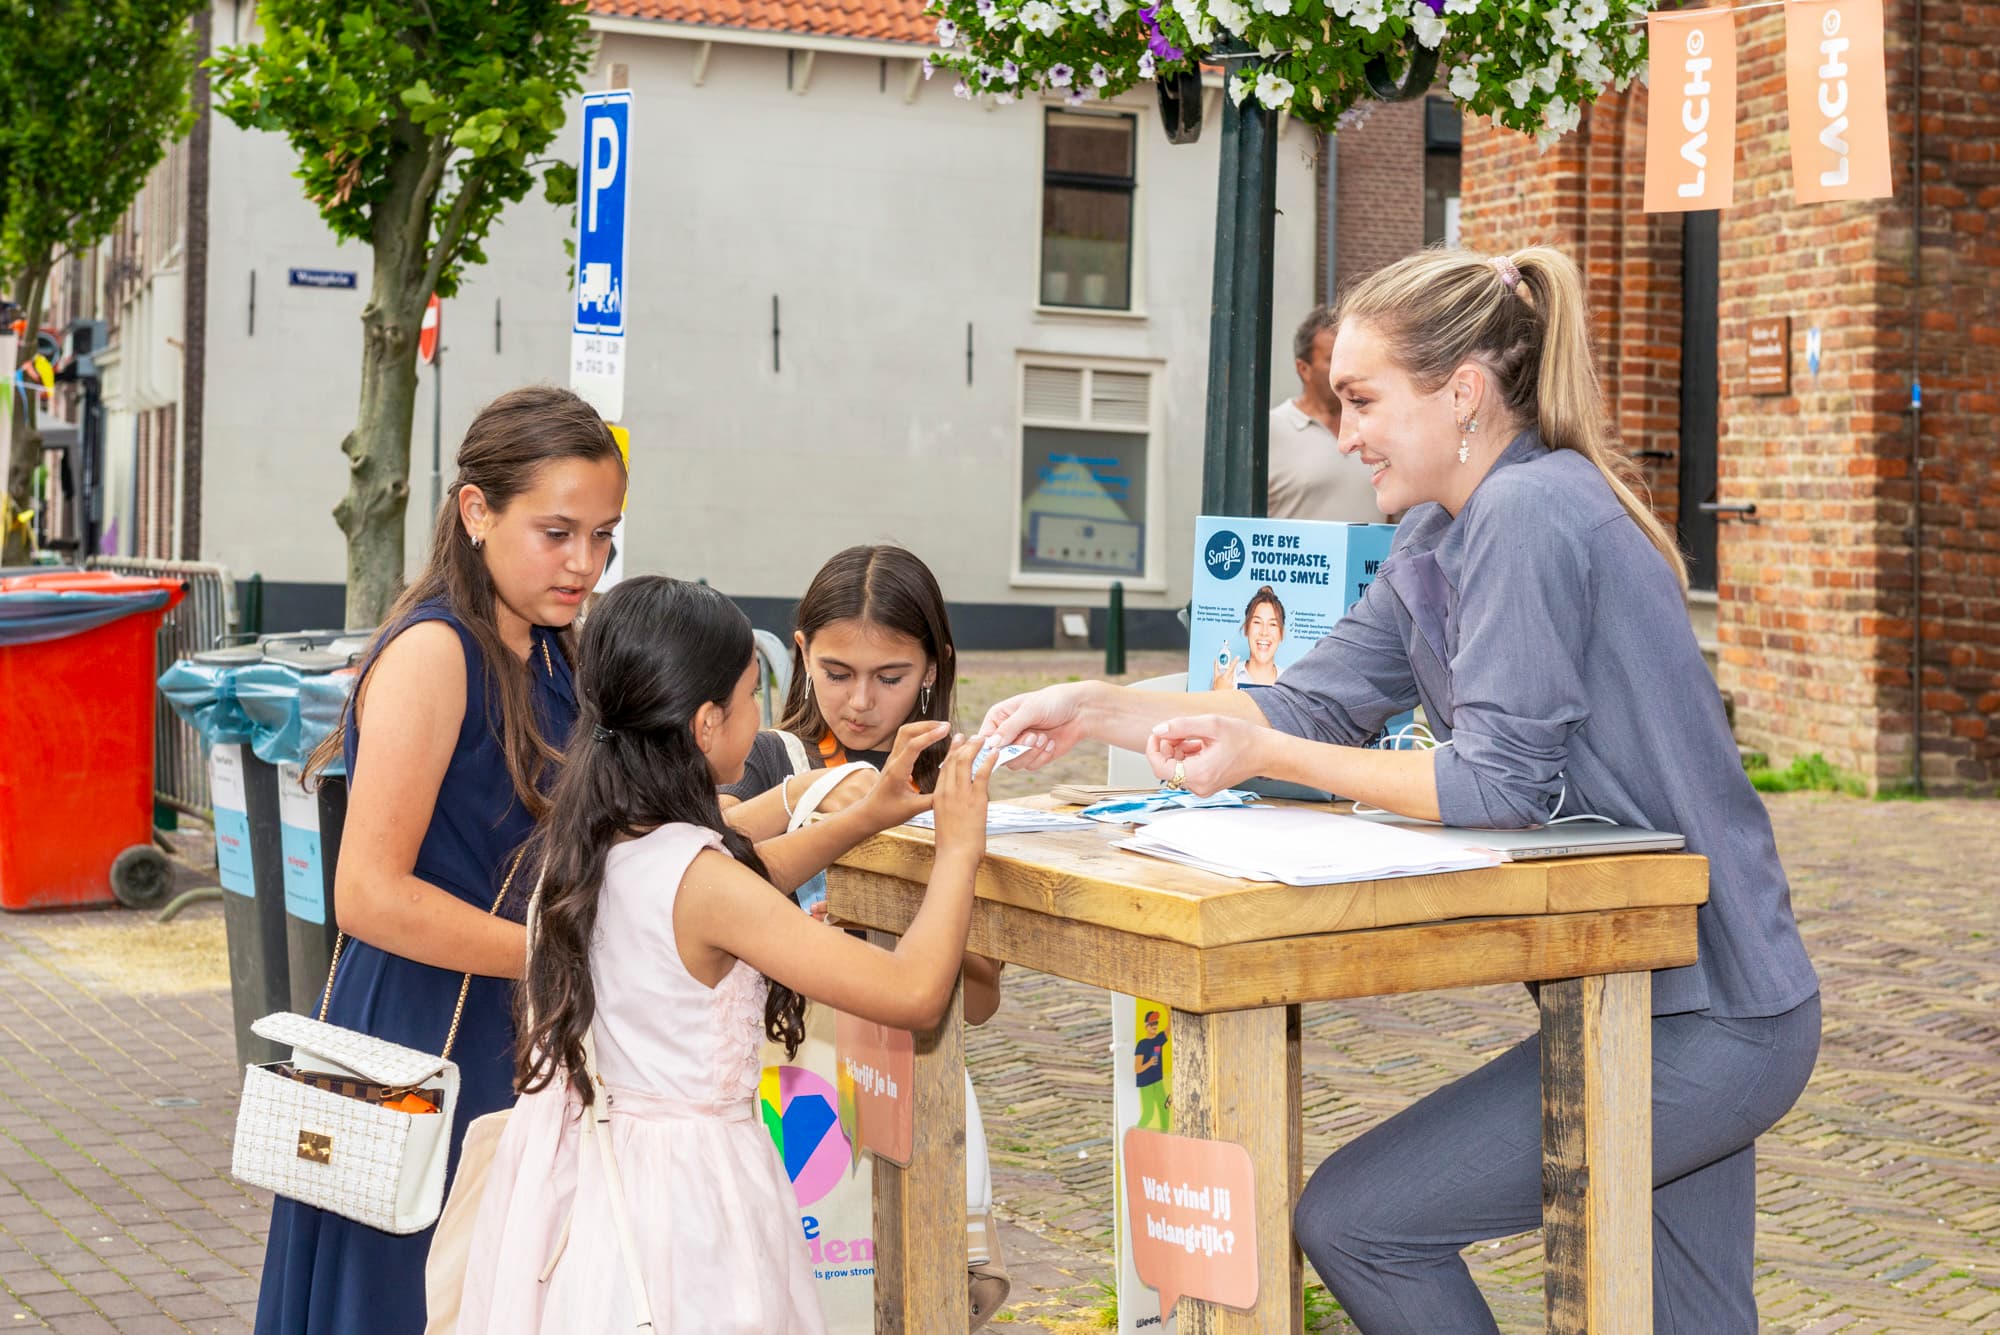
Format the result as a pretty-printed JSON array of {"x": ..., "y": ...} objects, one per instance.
[{"x": 315, "y": 1130}]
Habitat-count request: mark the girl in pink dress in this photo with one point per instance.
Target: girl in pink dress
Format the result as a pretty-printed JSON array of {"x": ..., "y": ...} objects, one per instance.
[{"x": 659, "y": 937}]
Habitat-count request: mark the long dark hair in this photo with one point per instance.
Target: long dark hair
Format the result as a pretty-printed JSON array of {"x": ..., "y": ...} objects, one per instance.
[
  {"x": 510, "y": 441},
  {"x": 889, "y": 587},
  {"x": 654, "y": 651}
]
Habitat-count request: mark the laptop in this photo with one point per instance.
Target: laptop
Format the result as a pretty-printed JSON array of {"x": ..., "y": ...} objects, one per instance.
[{"x": 1574, "y": 840}]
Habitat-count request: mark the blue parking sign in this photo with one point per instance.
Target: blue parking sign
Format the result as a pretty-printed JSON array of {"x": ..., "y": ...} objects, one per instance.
[{"x": 602, "y": 172}]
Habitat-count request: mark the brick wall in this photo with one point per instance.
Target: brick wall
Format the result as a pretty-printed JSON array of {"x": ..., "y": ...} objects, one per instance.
[
  {"x": 1381, "y": 164},
  {"x": 1584, "y": 195},
  {"x": 1815, "y": 614}
]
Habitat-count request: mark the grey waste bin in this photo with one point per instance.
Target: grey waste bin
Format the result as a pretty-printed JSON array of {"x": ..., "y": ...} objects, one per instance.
[
  {"x": 311, "y": 812},
  {"x": 248, "y": 862}
]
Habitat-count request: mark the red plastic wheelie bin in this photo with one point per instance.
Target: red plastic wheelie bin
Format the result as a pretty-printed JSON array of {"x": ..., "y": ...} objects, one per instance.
[{"x": 77, "y": 676}]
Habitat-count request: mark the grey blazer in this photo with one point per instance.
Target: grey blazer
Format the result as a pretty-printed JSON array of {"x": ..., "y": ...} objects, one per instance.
[{"x": 1550, "y": 644}]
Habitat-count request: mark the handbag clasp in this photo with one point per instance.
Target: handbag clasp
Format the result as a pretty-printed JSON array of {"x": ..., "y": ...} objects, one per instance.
[{"x": 315, "y": 1147}]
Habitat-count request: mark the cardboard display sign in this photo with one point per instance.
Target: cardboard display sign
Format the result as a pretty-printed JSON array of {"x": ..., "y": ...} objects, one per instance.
[
  {"x": 1191, "y": 1210},
  {"x": 876, "y": 1063}
]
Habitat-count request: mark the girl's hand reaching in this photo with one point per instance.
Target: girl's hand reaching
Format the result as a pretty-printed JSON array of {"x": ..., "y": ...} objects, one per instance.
[
  {"x": 888, "y": 796},
  {"x": 960, "y": 803}
]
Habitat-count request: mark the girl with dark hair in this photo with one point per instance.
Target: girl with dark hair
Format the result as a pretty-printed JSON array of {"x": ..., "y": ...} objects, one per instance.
[
  {"x": 659, "y": 938},
  {"x": 873, "y": 678},
  {"x": 464, "y": 702}
]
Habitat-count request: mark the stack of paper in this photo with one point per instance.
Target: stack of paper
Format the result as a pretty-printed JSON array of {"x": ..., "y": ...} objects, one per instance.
[
  {"x": 1087, "y": 794},
  {"x": 1001, "y": 818},
  {"x": 1299, "y": 846}
]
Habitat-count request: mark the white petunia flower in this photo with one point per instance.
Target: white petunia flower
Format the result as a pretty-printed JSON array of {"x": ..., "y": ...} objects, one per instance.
[
  {"x": 1458, "y": 7},
  {"x": 1277, "y": 8},
  {"x": 947, "y": 32},
  {"x": 1099, "y": 76},
  {"x": 1146, "y": 64},
  {"x": 1040, "y": 16},
  {"x": 929, "y": 69},
  {"x": 1425, "y": 23},
  {"x": 1591, "y": 13},
  {"x": 1118, "y": 9},
  {"x": 1239, "y": 88},
  {"x": 1273, "y": 90},
  {"x": 1465, "y": 82},
  {"x": 1546, "y": 76},
  {"x": 1518, "y": 90},
  {"x": 1590, "y": 66},
  {"x": 1545, "y": 139},
  {"x": 1010, "y": 73},
  {"x": 1059, "y": 76},
  {"x": 960, "y": 90},
  {"x": 1229, "y": 14}
]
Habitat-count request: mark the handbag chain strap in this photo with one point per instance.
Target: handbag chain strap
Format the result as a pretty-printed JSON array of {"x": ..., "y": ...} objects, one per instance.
[{"x": 465, "y": 984}]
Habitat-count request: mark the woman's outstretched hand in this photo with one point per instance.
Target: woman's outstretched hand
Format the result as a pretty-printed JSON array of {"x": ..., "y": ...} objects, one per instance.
[
  {"x": 1210, "y": 752},
  {"x": 1048, "y": 721}
]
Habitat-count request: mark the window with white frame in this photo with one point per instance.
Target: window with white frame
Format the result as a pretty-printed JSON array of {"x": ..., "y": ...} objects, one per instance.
[
  {"x": 1089, "y": 170},
  {"x": 1087, "y": 436}
]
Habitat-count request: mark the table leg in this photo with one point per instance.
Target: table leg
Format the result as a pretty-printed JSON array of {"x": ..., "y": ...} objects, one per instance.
[
  {"x": 920, "y": 1274},
  {"x": 1597, "y": 1154},
  {"x": 1236, "y": 1077}
]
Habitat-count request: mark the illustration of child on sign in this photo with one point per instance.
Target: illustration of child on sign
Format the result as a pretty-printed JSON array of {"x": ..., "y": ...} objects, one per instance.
[{"x": 1149, "y": 1065}]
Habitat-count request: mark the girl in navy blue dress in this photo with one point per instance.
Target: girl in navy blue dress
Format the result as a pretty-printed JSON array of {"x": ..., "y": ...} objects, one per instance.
[{"x": 464, "y": 702}]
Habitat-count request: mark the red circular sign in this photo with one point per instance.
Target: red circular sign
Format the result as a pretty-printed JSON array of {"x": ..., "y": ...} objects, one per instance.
[{"x": 427, "y": 336}]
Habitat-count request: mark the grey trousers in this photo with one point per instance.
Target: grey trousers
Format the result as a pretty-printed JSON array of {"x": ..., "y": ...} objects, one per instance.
[{"x": 1384, "y": 1218}]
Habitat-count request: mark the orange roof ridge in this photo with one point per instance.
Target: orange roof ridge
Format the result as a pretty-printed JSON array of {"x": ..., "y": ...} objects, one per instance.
[{"x": 869, "y": 20}]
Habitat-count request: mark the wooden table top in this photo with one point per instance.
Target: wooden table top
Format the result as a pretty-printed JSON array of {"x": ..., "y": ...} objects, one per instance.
[{"x": 1078, "y": 875}]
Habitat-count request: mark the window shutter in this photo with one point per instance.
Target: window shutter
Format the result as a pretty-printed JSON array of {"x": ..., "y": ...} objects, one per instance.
[
  {"x": 1120, "y": 398},
  {"x": 1053, "y": 393}
]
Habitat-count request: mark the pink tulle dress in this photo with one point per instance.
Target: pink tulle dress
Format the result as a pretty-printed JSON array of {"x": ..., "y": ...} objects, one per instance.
[{"x": 713, "y": 1214}]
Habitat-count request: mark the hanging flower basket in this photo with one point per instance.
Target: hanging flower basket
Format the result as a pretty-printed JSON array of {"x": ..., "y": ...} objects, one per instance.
[{"x": 1531, "y": 66}]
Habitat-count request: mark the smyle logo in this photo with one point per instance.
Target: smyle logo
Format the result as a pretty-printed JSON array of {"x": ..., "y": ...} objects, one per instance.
[
  {"x": 1833, "y": 97},
  {"x": 1694, "y": 94},
  {"x": 1225, "y": 554}
]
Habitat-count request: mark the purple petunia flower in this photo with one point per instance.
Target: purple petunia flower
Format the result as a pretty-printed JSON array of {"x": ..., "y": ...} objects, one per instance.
[{"x": 1156, "y": 41}]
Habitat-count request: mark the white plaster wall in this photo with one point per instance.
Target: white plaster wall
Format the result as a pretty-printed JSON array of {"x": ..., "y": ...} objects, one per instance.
[{"x": 884, "y": 227}]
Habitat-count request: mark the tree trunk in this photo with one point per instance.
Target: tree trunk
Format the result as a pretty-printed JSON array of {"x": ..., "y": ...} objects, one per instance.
[
  {"x": 378, "y": 449},
  {"x": 24, "y": 445}
]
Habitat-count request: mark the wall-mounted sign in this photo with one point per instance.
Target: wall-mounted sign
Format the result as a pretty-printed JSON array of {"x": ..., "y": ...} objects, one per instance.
[
  {"x": 1771, "y": 355},
  {"x": 343, "y": 278}
]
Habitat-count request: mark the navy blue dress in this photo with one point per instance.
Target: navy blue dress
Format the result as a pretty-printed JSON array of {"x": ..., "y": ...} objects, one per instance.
[{"x": 327, "y": 1275}]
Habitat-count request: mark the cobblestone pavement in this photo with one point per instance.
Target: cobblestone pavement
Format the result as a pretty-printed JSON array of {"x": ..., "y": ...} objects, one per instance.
[{"x": 1879, "y": 1200}]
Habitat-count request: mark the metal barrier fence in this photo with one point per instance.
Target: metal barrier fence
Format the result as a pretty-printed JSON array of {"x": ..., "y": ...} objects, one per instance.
[{"x": 208, "y": 613}]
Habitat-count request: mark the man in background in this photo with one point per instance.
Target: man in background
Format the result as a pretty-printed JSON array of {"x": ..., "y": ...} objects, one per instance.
[{"x": 1309, "y": 477}]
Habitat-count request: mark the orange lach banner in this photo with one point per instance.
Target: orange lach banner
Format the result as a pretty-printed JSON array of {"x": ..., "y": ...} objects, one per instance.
[
  {"x": 1838, "y": 98},
  {"x": 1691, "y": 110}
]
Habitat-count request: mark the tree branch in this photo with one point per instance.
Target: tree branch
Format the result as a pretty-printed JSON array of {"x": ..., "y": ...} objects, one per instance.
[{"x": 452, "y": 230}]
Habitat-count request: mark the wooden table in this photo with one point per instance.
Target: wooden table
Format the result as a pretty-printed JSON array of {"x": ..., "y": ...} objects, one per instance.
[{"x": 1234, "y": 959}]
